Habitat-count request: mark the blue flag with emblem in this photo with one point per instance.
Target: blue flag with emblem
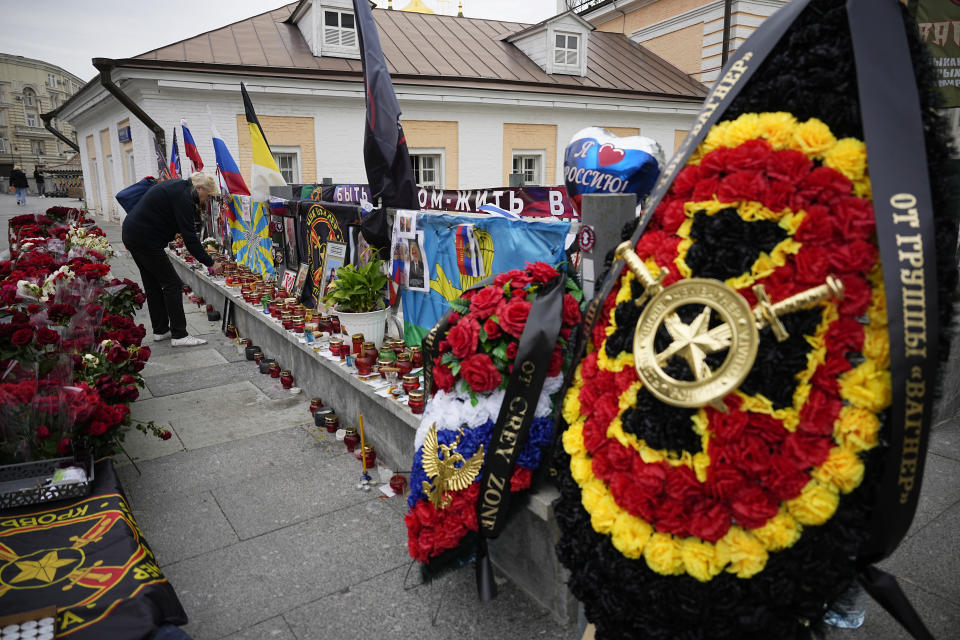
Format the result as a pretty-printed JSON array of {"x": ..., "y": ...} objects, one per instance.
[
  {"x": 503, "y": 245},
  {"x": 249, "y": 226}
]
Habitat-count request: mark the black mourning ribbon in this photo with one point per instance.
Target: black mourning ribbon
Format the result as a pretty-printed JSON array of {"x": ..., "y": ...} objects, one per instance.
[{"x": 512, "y": 428}]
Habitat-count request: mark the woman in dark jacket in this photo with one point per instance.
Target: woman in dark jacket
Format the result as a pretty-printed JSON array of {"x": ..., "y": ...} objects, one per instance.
[
  {"x": 18, "y": 180},
  {"x": 166, "y": 209}
]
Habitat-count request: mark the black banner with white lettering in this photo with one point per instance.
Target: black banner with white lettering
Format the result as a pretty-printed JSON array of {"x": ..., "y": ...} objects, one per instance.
[
  {"x": 510, "y": 432},
  {"x": 903, "y": 208}
]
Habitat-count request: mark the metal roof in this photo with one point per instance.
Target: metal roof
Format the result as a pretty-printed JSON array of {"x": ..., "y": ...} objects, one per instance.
[{"x": 436, "y": 50}]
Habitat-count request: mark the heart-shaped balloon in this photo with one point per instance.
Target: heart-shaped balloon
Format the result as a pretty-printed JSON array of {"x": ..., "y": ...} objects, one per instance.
[{"x": 597, "y": 161}]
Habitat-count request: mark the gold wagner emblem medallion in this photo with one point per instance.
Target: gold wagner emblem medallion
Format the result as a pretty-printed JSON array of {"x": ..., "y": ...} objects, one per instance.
[
  {"x": 695, "y": 341},
  {"x": 737, "y": 332}
]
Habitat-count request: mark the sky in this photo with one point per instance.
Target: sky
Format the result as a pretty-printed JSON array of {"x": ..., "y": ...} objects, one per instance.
[{"x": 69, "y": 33}]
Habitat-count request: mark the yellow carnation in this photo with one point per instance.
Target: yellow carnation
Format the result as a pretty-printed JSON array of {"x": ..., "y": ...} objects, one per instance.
[
  {"x": 777, "y": 128},
  {"x": 849, "y": 157},
  {"x": 779, "y": 532},
  {"x": 703, "y": 560},
  {"x": 813, "y": 137},
  {"x": 573, "y": 440},
  {"x": 856, "y": 429},
  {"x": 746, "y": 127},
  {"x": 876, "y": 345},
  {"x": 605, "y": 510},
  {"x": 746, "y": 553},
  {"x": 581, "y": 469},
  {"x": 663, "y": 554},
  {"x": 714, "y": 139},
  {"x": 816, "y": 503},
  {"x": 842, "y": 468},
  {"x": 630, "y": 535},
  {"x": 866, "y": 386},
  {"x": 571, "y": 402}
]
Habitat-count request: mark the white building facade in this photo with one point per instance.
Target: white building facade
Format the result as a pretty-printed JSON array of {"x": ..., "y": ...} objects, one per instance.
[{"x": 461, "y": 134}]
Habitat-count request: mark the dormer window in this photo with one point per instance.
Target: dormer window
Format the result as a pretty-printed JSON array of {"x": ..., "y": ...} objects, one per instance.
[
  {"x": 557, "y": 45},
  {"x": 339, "y": 31},
  {"x": 567, "y": 52}
]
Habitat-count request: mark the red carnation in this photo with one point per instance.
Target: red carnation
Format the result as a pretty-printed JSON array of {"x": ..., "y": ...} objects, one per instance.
[
  {"x": 64, "y": 447},
  {"x": 743, "y": 185},
  {"x": 480, "y": 373},
  {"x": 512, "y": 351},
  {"x": 685, "y": 181},
  {"x": 442, "y": 377},
  {"x": 166, "y": 435},
  {"x": 463, "y": 338},
  {"x": 21, "y": 337},
  {"x": 542, "y": 272},
  {"x": 513, "y": 316}
]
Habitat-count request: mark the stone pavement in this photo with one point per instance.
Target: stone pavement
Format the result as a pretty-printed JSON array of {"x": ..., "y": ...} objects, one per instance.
[{"x": 255, "y": 519}]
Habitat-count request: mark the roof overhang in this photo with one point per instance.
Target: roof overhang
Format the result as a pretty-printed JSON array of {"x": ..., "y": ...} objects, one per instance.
[{"x": 496, "y": 84}]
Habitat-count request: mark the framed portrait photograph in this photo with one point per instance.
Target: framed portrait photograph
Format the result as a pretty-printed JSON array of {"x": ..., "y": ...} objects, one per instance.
[
  {"x": 333, "y": 259},
  {"x": 302, "y": 272}
]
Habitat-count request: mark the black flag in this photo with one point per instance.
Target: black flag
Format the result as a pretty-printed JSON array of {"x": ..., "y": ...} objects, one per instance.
[{"x": 389, "y": 169}]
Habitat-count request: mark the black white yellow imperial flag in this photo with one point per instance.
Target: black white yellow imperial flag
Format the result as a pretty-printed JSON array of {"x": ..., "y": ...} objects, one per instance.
[{"x": 744, "y": 434}]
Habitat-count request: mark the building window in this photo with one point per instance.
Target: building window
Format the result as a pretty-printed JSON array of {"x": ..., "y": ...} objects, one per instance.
[
  {"x": 31, "y": 120},
  {"x": 567, "y": 51},
  {"x": 529, "y": 164},
  {"x": 29, "y": 97},
  {"x": 338, "y": 29},
  {"x": 4, "y": 146},
  {"x": 427, "y": 169},
  {"x": 3, "y": 94},
  {"x": 131, "y": 166},
  {"x": 52, "y": 80},
  {"x": 288, "y": 161},
  {"x": 3, "y": 117},
  {"x": 37, "y": 147}
]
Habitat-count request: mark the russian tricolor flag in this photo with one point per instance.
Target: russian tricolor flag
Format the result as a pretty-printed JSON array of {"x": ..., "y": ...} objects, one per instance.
[
  {"x": 174, "y": 157},
  {"x": 190, "y": 148},
  {"x": 230, "y": 179}
]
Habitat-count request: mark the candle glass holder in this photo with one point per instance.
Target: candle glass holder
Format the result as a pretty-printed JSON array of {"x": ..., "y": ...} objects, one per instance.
[{"x": 351, "y": 439}]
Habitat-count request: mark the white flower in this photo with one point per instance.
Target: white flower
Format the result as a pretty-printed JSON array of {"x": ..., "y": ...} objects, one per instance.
[
  {"x": 26, "y": 289},
  {"x": 453, "y": 410},
  {"x": 91, "y": 359}
]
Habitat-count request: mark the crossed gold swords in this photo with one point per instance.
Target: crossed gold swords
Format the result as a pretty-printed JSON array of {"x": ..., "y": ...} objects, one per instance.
[{"x": 694, "y": 341}]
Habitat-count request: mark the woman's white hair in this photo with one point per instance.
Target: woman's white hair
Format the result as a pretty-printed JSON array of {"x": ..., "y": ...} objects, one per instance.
[{"x": 205, "y": 181}]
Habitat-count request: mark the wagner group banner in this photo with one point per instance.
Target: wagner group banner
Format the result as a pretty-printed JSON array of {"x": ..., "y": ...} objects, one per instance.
[
  {"x": 504, "y": 244},
  {"x": 939, "y": 23},
  {"x": 318, "y": 223},
  {"x": 89, "y": 558}
]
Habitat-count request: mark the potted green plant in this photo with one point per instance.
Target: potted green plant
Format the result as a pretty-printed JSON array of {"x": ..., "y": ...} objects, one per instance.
[{"x": 357, "y": 297}]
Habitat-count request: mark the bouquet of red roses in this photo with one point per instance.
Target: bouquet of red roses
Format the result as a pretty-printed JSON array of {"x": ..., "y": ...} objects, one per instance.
[{"x": 477, "y": 349}]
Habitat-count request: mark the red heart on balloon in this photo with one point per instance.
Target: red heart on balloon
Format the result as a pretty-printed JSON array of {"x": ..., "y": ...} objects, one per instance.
[{"x": 609, "y": 154}]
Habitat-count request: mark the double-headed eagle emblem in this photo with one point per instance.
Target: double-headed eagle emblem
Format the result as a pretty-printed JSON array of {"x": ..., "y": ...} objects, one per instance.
[{"x": 440, "y": 464}]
